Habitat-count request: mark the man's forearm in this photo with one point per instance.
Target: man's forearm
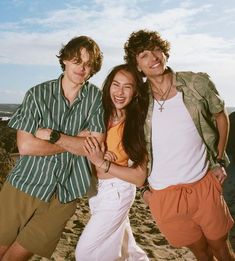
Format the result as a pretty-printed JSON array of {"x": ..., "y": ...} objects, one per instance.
[
  {"x": 74, "y": 144},
  {"x": 223, "y": 129},
  {"x": 32, "y": 146},
  {"x": 43, "y": 144}
]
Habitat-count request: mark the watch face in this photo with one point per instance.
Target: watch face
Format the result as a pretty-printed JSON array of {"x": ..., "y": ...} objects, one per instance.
[{"x": 54, "y": 137}]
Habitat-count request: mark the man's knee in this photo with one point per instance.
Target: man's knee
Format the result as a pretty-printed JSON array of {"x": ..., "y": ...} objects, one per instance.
[
  {"x": 16, "y": 253},
  {"x": 222, "y": 249},
  {"x": 201, "y": 250},
  {"x": 3, "y": 250},
  {"x": 217, "y": 244}
]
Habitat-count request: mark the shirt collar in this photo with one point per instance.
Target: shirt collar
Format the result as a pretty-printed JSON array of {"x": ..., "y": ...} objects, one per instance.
[{"x": 82, "y": 92}]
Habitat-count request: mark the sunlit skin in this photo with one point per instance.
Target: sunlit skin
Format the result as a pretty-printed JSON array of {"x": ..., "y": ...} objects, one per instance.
[
  {"x": 151, "y": 63},
  {"x": 76, "y": 73},
  {"x": 122, "y": 90}
]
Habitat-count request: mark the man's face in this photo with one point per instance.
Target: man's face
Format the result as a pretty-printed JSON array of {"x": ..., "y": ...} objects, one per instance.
[
  {"x": 151, "y": 63},
  {"x": 78, "y": 71}
]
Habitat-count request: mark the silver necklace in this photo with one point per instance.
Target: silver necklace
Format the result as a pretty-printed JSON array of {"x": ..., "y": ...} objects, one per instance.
[{"x": 161, "y": 108}]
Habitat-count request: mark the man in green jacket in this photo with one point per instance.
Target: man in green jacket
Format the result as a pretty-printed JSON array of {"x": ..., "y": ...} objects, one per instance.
[{"x": 186, "y": 130}]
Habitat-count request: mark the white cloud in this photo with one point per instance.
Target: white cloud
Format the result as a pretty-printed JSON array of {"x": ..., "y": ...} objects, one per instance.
[
  {"x": 110, "y": 27},
  {"x": 37, "y": 40}
]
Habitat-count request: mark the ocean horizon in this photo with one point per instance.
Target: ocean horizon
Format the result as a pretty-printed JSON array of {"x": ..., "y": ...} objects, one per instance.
[{"x": 7, "y": 109}]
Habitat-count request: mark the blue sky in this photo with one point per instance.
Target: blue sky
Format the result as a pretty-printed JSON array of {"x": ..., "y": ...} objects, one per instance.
[{"x": 202, "y": 36}]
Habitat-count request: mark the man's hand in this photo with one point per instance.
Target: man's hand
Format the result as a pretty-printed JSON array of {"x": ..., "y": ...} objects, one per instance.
[{"x": 220, "y": 174}]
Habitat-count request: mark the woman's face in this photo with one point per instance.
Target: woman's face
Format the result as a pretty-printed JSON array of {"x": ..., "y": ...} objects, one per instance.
[{"x": 122, "y": 89}]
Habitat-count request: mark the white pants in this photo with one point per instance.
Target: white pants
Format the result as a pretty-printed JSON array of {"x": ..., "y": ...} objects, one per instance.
[{"x": 108, "y": 235}]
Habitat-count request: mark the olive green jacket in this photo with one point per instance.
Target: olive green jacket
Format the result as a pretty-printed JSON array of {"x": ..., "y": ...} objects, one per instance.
[{"x": 202, "y": 101}]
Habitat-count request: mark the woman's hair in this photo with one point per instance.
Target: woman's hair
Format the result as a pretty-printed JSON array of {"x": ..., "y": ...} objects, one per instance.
[
  {"x": 72, "y": 50},
  {"x": 144, "y": 40},
  {"x": 133, "y": 139}
]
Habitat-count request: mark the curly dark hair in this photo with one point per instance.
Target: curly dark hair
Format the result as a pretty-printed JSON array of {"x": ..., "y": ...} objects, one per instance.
[
  {"x": 73, "y": 48},
  {"x": 133, "y": 135},
  {"x": 144, "y": 40}
]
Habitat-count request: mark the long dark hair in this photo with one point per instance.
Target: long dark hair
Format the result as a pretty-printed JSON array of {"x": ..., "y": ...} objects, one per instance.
[{"x": 133, "y": 135}]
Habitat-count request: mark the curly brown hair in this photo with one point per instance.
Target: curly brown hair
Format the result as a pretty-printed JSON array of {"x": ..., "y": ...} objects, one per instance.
[
  {"x": 144, "y": 40},
  {"x": 73, "y": 50}
]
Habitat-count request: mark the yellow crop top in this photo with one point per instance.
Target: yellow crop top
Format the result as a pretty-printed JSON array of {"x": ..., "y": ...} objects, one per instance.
[{"x": 114, "y": 143}]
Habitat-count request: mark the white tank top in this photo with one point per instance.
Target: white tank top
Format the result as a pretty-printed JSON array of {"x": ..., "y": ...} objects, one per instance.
[{"x": 179, "y": 154}]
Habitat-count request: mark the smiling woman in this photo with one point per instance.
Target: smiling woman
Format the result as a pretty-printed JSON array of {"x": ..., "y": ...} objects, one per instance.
[{"x": 120, "y": 167}]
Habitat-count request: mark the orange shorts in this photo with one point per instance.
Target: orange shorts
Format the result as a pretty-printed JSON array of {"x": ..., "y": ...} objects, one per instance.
[{"x": 186, "y": 212}]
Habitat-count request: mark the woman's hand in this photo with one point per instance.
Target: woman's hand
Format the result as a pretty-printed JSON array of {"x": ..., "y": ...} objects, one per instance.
[
  {"x": 95, "y": 151},
  {"x": 84, "y": 133},
  {"x": 110, "y": 156}
]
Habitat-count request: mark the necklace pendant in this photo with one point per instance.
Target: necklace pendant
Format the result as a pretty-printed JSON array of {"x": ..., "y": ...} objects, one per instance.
[{"x": 161, "y": 109}]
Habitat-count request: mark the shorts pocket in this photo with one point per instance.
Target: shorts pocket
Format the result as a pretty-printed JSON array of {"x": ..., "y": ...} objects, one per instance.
[{"x": 217, "y": 184}]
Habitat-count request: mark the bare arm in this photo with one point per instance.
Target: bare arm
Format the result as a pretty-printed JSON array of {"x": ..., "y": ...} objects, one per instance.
[
  {"x": 72, "y": 144},
  {"x": 28, "y": 144},
  {"x": 223, "y": 129},
  {"x": 135, "y": 176},
  {"x": 75, "y": 145},
  {"x": 95, "y": 153}
]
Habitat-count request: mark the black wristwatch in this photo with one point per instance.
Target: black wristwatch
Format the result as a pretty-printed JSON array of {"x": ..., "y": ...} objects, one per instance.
[
  {"x": 54, "y": 136},
  {"x": 221, "y": 162}
]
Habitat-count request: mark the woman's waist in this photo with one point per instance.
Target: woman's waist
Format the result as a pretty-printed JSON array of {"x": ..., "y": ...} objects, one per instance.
[{"x": 113, "y": 181}]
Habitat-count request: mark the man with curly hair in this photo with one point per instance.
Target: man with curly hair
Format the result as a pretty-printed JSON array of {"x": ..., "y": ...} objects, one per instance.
[
  {"x": 40, "y": 193},
  {"x": 186, "y": 131}
]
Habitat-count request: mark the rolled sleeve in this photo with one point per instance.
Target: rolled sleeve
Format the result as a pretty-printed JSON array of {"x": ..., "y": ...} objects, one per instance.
[
  {"x": 26, "y": 117},
  {"x": 96, "y": 123},
  {"x": 214, "y": 101}
]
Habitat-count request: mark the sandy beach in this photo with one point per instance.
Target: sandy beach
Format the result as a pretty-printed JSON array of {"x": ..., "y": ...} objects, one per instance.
[{"x": 145, "y": 231}]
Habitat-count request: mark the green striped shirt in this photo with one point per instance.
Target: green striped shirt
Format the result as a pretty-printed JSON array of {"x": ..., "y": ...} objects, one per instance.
[{"x": 65, "y": 174}]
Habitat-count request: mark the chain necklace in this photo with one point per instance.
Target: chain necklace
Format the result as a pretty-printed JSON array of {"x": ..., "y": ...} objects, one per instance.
[{"x": 167, "y": 92}]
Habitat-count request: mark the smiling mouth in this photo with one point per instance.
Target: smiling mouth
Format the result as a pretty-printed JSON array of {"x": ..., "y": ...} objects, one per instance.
[
  {"x": 155, "y": 65},
  {"x": 79, "y": 74},
  {"x": 119, "y": 99}
]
